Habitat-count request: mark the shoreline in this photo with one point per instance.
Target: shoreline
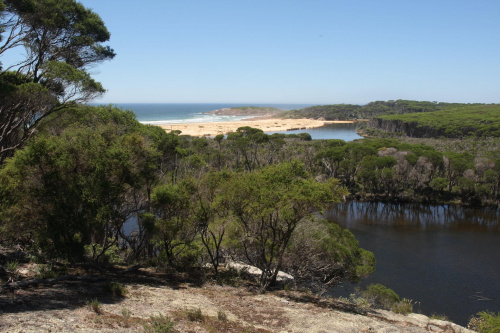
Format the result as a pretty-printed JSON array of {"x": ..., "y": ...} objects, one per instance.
[{"x": 266, "y": 124}]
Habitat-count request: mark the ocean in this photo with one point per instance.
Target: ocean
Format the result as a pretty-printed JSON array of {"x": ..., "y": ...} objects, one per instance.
[{"x": 177, "y": 113}]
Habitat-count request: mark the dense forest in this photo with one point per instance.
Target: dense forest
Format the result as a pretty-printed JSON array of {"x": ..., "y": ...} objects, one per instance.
[
  {"x": 455, "y": 122},
  {"x": 69, "y": 193},
  {"x": 370, "y": 110}
]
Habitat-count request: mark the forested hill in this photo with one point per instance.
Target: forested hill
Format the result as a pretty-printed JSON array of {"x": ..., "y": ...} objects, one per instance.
[
  {"x": 370, "y": 110},
  {"x": 454, "y": 122}
]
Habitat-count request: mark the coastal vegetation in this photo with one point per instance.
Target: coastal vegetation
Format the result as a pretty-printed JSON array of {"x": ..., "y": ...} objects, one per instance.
[
  {"x": 88, "y": 172},
  {"x": 370, "y": 110},
  {"x": 92, "y": 187},
  {"x": 60, "y": 40},
  {"x": 457, "y": 122}
]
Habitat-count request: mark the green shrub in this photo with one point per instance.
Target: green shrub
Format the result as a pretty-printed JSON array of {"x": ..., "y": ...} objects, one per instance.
[
  {"x": 111, "y": 255},
  {"x": 95, "y": 306},
  {"x": 159, "y": 324},
  {"x": 115, "y": 288},
  {"x": 359, "y": 301},
  {"x": 194, "y": 315},
  {"x": 404, "y": 307},
  {"x": 439, "y": 316},
  {"x": 48, "y": 271},
  {"x": 485, "y": 322},
  {"x": 380, "y": 296},
  {"x": 11, "y": 269}
]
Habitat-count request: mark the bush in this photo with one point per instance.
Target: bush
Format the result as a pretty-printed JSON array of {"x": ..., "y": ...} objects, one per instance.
[
  {"x": 380, "y": 296},
  {"x": 95, "y": 306},
  {"x": 485, "y": 322},
  {"x": 159, "y": 324},
  {"x": 439, "y": 316},
  {"x": 221, "y": 315},
  {"x": 404, "y": 307},
  {"x": 115, "y": 288},
  {"x": 194, "y": 315}
]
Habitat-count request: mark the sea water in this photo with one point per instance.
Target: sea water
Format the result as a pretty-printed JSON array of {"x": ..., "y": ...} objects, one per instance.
[{"x": 178, "y": 113}]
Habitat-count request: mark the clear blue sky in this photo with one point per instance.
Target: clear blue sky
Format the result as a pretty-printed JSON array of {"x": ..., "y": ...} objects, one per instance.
[{"x": 298, "y": 51}]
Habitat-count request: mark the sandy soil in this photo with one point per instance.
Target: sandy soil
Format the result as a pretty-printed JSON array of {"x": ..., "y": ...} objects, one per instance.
[
  {"x": 265, "y": 124},
  {"x": 194, "y": 306}
]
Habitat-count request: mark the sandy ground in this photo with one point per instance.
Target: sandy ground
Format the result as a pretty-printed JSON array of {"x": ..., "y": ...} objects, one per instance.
[
  {"x": 193, "y": 307},
  {"x": 265, "y": 124}
]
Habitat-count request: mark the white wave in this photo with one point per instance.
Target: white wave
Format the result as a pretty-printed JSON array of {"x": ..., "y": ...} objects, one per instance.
[{"x": 200, "y": 119}]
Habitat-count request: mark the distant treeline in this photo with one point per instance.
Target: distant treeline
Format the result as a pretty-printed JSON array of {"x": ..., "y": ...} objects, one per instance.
[
  {"x": 370, "y": 110},
  {"x": 452, "y": 122}
]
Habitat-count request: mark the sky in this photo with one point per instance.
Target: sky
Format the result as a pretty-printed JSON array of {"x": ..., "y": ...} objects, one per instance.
[{"x": 298, "y": 51}]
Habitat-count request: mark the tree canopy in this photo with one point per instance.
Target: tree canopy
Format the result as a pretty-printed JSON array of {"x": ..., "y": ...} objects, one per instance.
[{"x": 61, "y": 39}]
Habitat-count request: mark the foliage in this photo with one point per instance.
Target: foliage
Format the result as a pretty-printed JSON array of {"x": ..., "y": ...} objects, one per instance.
[
  {"x": 221, "y": 315},
  {"x": 74, "y": 188},
  {"x": 439, "y": 316},
  {"x": 331, "y": 252},
  {"x": 487, "y": 322},
  {"x": 11, "y": 269},
  {"x": 380, "y": 296},
  {"x": 455, "y": 122},
  {"x": 159, "y": 324},
  {"x": 405, "y": 306},
  {"x": 61, "y": 39},
  {"x": 367, "y": 111},
  {"x": 194, "y": 315},
  {"x": 95, "y": 305},
  {"x": 268, "y": 205},
  {"x": 115, "y": 288}
]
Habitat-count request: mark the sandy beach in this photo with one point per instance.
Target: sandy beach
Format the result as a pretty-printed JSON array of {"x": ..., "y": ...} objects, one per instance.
[{"x": 265, "y": 124}]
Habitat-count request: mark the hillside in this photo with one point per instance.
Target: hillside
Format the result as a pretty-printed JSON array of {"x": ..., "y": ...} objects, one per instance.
[
  {"x": 456, "y": 122},
  {"x": 193, "y": 306},
  {"x": 370, "y": 110}
]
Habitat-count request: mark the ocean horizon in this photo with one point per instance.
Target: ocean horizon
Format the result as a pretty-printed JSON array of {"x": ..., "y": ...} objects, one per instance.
[{"x": 178, "y": 113}]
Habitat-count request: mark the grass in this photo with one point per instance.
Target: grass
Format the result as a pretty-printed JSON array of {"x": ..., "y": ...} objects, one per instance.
[
  {"x": 95, "y": 306},
  {"x": 403, "y": 307},
  {"x": 221, "y": 315},
  {"x": 11, "y": 269},
  {"x": 439, "y": 316},
  {"x": 194, "y": 315},
  {"x": 158, "y": 324},
  {"x": 115, "y": 288}
]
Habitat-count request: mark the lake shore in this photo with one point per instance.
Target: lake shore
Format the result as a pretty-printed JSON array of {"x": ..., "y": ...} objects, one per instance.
[{"x": 264, "y": 123}]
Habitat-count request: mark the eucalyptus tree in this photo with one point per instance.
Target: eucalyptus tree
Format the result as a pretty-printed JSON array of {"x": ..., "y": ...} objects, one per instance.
[
  {"x": 60, "y": 40},
  {"x": 268, "y": 205},
  {"x": 73, "y": 187}
]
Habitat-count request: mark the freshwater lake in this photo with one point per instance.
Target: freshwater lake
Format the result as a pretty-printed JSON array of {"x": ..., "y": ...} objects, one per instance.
[{"x": 446, "y": 258}]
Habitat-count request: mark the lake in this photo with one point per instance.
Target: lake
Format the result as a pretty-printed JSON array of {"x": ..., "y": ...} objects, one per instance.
[
  {"x": 346, "y": 132},
  {"x": 447, "y": 258}
]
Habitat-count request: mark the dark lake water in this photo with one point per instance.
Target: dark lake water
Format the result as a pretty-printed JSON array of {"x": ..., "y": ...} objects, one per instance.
[{"x": 447, "y": 258}]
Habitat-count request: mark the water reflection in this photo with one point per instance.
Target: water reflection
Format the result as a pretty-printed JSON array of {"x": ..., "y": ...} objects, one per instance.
[
  {"x": 453, "y": 217},
  {"x": 446, "y": 257}
]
